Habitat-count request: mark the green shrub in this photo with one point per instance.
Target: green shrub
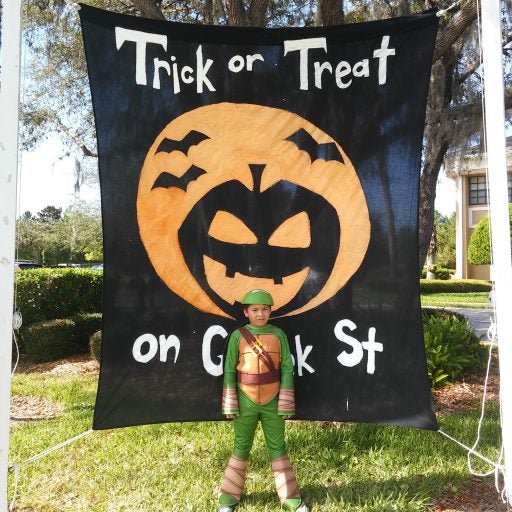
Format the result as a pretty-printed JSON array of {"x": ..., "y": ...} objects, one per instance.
[
  {"x": 454, "y": 286},
  {"x": 440, "y": 273},
  {"x": 479, "y": 247},
  {"x": 49, "y": 293},
  {"x": 86, "y": 324},
  {"x": 50, "y": 340},
  {"x": 443, "y": 273},
  {"x": 451, "y": 346},
  {"x": 95, "y": 345}
]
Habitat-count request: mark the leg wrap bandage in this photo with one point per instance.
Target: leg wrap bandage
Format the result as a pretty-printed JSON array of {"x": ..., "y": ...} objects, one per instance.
[
  {"x": 234, "y": 477},
  {"x": 286, "y": 483}
]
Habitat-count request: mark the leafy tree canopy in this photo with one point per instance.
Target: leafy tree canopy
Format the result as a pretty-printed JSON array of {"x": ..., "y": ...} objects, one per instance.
[
  {"x": 52, "y": 238},
  {"x": 445, "y": 240},
  {"x": 49, "y": 213}
]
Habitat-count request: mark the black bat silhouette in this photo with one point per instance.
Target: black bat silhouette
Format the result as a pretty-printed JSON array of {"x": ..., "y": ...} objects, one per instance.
[
  {"x": 305, "y": 142},
  {"x": 192, "y": 139},
  {"x": 167, "y": 180}
]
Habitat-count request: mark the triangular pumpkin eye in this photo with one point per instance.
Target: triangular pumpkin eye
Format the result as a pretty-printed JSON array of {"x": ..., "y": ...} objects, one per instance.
[
  {"x": 225, "y": 227},
  {"x": 294, "y": 232}
]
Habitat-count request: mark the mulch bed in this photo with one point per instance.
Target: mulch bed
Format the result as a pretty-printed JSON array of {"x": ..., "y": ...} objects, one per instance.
[
  {"x": 33, "y": 408},
  {"x": 480, "y": 495}
]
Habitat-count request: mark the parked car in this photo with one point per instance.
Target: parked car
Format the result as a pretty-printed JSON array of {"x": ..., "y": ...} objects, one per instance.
[{"x": 23, "y": 264}]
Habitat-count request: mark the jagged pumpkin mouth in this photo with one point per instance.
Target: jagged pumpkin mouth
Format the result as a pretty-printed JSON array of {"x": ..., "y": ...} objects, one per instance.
[{"x": 283, "y": 291}]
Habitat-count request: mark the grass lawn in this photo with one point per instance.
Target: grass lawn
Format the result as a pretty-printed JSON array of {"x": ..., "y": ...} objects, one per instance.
[
  {"x": 177, "y": 467},
  {"x": 456, "y": 300}
]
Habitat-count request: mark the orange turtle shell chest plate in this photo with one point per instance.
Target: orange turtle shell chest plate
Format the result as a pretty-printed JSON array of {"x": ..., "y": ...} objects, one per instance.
[{"x": 249, "y": 362}]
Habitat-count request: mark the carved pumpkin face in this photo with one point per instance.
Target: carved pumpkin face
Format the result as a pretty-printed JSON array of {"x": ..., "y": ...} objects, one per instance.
[{"x": 234, "y": 197}]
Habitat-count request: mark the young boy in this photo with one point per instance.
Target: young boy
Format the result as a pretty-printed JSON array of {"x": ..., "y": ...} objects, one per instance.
[{"x": 258, "y": 386}]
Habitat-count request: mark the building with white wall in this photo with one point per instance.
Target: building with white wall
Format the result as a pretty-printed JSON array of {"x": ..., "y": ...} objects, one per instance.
[{"x": 468, "y": 170}]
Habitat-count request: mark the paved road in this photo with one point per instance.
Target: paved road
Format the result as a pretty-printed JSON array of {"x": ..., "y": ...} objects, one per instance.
[{"x": 480, "y": 320}]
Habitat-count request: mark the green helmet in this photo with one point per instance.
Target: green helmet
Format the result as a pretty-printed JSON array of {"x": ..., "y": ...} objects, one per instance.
[{"x": 258, "y": 297}]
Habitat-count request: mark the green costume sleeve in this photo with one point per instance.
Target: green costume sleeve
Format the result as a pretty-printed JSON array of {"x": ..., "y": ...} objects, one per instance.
[
  {"x": 286, "y": 403},
  {"x": 286, "y": 363},
  {"x": 229, "y": 397}
]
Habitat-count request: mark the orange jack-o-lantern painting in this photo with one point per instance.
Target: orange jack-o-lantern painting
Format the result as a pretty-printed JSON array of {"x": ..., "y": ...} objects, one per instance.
[
  {"x": 234, "y": 159},
  {"x": 234, "y": 197}
]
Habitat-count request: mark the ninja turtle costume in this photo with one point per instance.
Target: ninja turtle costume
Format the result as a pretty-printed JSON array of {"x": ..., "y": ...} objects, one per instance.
[{"x": 258, "y": 387}]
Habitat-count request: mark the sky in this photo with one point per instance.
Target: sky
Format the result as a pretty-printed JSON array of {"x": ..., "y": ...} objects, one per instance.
[
  {"x": 445, "y": 195},
  {"x": 46, "y": 179}
]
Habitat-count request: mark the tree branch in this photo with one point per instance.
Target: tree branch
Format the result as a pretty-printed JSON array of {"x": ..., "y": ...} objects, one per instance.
[
  {"x": 74, "y": 137},
  {"x": 456, "y": 26}
]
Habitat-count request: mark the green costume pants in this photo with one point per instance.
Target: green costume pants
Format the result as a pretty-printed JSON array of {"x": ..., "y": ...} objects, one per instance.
[{"x": 245, "y": 424}]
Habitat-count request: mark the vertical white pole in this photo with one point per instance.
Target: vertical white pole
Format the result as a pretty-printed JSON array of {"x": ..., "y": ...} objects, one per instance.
[
  {"x": 9, "y": 100},
  {"x": 499, "y": 216},
  {"x": 459, "y": 231}
]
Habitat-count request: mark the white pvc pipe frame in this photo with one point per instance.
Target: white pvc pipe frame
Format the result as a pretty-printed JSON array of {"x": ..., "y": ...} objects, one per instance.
[
  {"x": 496, "y": 158},
  {"x": 499, "y": 215},
  {"x": 9, "y": 101}
]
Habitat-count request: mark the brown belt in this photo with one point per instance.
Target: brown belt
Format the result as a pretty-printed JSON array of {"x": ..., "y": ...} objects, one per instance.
[{"x": 259, "y": 378}]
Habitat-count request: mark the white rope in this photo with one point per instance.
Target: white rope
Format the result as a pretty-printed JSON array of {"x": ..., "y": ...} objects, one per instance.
[
  {"x": 497, "y": 466},
  {"x": 17, "y": 354},
  {"x": 15, "y": 468},
  {"x": 482, "y": 415},
  {"x": 52, "y": 449},
  {"x": 473, "y": 452},
  {"x": 444, "y": 12},
  {"x": 17, "y": 321}
]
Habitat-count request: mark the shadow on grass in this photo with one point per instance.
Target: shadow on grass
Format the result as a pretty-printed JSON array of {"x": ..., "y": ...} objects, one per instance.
[{"x": 406, "y": 494}]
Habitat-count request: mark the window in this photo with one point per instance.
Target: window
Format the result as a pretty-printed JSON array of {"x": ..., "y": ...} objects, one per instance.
[{"x": 478, "y": 190}]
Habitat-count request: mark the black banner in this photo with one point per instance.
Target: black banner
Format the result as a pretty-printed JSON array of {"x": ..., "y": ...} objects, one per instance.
[{"x": 240, "y": 158}]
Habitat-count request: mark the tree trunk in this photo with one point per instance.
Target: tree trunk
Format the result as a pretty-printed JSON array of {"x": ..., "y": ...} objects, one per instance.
[
  {"x": 149, "y": 9},
  {"x": 437, "y": 144},
  {"x": 329, "y": 12},
  {"x": 431, "y": 255},
  {"x": 236, "y": 13},
  {"x": 257, "y": 13},
  {"x": 207, "y": 12},
  {"x": 436, "y": 137},
  {"x": 436, "y": 151}
]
